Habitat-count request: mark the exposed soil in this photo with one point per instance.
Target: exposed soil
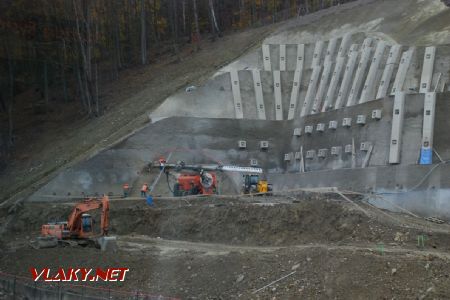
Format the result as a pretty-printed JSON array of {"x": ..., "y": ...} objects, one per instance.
[{"x": 229, "y": 247}]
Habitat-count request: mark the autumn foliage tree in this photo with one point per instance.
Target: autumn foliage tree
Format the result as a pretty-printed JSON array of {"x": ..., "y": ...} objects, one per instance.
[{"x": 74, "y": 45}]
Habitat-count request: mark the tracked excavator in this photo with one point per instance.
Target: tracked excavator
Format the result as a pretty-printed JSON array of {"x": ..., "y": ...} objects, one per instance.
[
  {"x": 79, "y": 228},
  {"x": 198, "y": 179}
]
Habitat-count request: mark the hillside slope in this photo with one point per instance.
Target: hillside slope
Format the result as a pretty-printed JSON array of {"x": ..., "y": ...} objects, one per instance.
[{"x": 130, "y": 99}]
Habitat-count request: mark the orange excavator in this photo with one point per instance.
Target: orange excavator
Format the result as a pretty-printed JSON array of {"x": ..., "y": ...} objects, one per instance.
[{"x": 80, "y": 225}]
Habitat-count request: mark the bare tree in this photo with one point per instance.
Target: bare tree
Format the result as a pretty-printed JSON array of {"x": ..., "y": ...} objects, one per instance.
[
  {"x": 143, "y": 34},
  {"x": 197, "y": 28},
  {"x": 11, "y": 102},
  {"x": 213, "y": 17},
  {"x": 85, "y": 80},
  {"x": 183, "y": 11}
]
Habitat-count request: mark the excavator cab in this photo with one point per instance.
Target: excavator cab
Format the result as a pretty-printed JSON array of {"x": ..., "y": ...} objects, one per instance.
[
  {"x": 253, "y": 184},
  {"x": 250, "y": 183},
  {"x": 86, "y": 225}
]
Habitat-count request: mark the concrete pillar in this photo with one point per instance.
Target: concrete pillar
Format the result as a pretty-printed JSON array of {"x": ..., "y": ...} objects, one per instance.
[
  {"x": 426, "y": 152},
  {"x": 266, "y": 57},
  {"x": 367, "y": 43},
  {"x": 403, "y": 67},
  {"x": 368, "y": 92},
  {"x": 311, "y": 91},
  {"x": 282, "y": 57},
  {"x": 360, "y": 72},
  {"x": 391, "y": 63},
  {"x": 277, "y": 94},
  {"x": 345, "y": 43},
  {"x": 236, "y": 94},
  {"x": 317, "y": 56},
  {"x": 329, "y": 98},
  {"x": 397, "y": 128},
  {"x": 328, "y": 63},
  {"x": 260, "y": 108},
  {"x": 297, "y": 80},
  {"x": 300, "y": 56},
  {"x": 294, "y": 93},
  {"x": 331, "y": 49},
  {"x": 340, "y": 60},
  {"x": 346, "y": 80},
  {"x": 427, "y": 71},
  {"x": 322, "y": 87}
]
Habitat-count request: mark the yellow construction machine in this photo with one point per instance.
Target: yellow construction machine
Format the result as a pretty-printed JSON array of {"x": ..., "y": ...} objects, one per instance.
[{"x": 253, "y": 184}]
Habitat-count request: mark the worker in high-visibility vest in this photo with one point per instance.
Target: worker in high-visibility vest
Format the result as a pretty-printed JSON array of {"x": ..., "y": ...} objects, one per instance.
[
  {"x": 162, "y": 163},
  {"x": 144, "y": 190},
  {"x": 126, "y": 190}
]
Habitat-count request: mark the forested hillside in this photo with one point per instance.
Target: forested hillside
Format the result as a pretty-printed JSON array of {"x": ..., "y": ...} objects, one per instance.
[{"x": 63, "y": 51}]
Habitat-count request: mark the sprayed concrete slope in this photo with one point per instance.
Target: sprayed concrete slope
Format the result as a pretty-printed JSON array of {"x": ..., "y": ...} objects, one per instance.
[{"x": 373, "y": 62}]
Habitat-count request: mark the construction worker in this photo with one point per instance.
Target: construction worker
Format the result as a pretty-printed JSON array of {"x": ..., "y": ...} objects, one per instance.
[
  {"x": 144, "y": 190},
  {"x": 162, "y": 163},
  {"x": 126, "y": 190}
]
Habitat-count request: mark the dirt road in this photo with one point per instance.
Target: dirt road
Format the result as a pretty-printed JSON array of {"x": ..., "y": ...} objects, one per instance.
[{"x": 231, "y": 248}]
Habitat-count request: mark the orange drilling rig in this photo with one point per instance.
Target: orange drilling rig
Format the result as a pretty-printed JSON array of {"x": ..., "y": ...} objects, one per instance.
[
  {"x": 197, "y": 179},
  {"x": 80, "y": 225}
]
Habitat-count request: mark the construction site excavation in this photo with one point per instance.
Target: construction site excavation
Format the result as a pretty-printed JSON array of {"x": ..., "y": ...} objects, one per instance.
[{"x": 229, "y": 149}]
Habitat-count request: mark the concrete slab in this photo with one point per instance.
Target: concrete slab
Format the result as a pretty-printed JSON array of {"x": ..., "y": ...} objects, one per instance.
[
  {"x": 282, "y": 57},
  {"x": 336, "y": 75},
  {"x": 236, "y": 94},
  {"x": 397, "y": 128},
  {"x": 268, "y": 93},
  {"x": 348, "y": 75},
  {"x": 248, "y": 94},
  {"x": 266, "y": 57},
  {"x": 403, "y": 67},
  {"x": 213, "y": 99},
  {"x": 427, "y": 70},
  {"x": 335, "y": 78},
  {"x": 287, "y": 82},
  {"x": 277, "y": 95},
  {"x": 295, "y": 93},
  {"x": 345, "y": 44},
  {"x": 274, "y": 50},
  {"x": 360, "y": 73},
  {"x": 391, "y": 64},
  {"x": 312, "y": 87},
  {"x": 317, "y": 55},
  {"x": 429, "y": 112},
  {"x": 320, "y": 95},
  {"x": 331, "y": 49},
  {"x": 260, "y": 107},
  {"x": 368, "y": 92},
  {"x": 300, "y": 56}
]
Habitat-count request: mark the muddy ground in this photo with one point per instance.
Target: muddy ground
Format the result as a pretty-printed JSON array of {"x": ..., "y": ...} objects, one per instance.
[{"x": 227, "y": 248}]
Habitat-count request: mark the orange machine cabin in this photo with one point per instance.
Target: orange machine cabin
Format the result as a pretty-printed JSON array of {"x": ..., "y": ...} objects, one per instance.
[{"x": 191, "y": 184}]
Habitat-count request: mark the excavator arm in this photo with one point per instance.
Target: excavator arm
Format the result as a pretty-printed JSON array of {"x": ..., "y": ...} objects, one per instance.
[{"x": 223, "y": 168}]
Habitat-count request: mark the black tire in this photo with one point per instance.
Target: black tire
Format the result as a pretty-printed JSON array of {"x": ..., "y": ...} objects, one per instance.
[{"x": 176, "y": 190}]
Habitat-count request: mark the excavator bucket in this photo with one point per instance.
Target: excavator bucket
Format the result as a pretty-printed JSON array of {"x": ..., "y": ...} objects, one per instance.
[{"x": 107, "y": 243}]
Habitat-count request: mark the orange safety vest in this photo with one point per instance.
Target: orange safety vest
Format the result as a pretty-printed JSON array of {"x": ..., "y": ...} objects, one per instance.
[
  {"x": 144, "y": 188},
  {"x": 126, "y": 186}
]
